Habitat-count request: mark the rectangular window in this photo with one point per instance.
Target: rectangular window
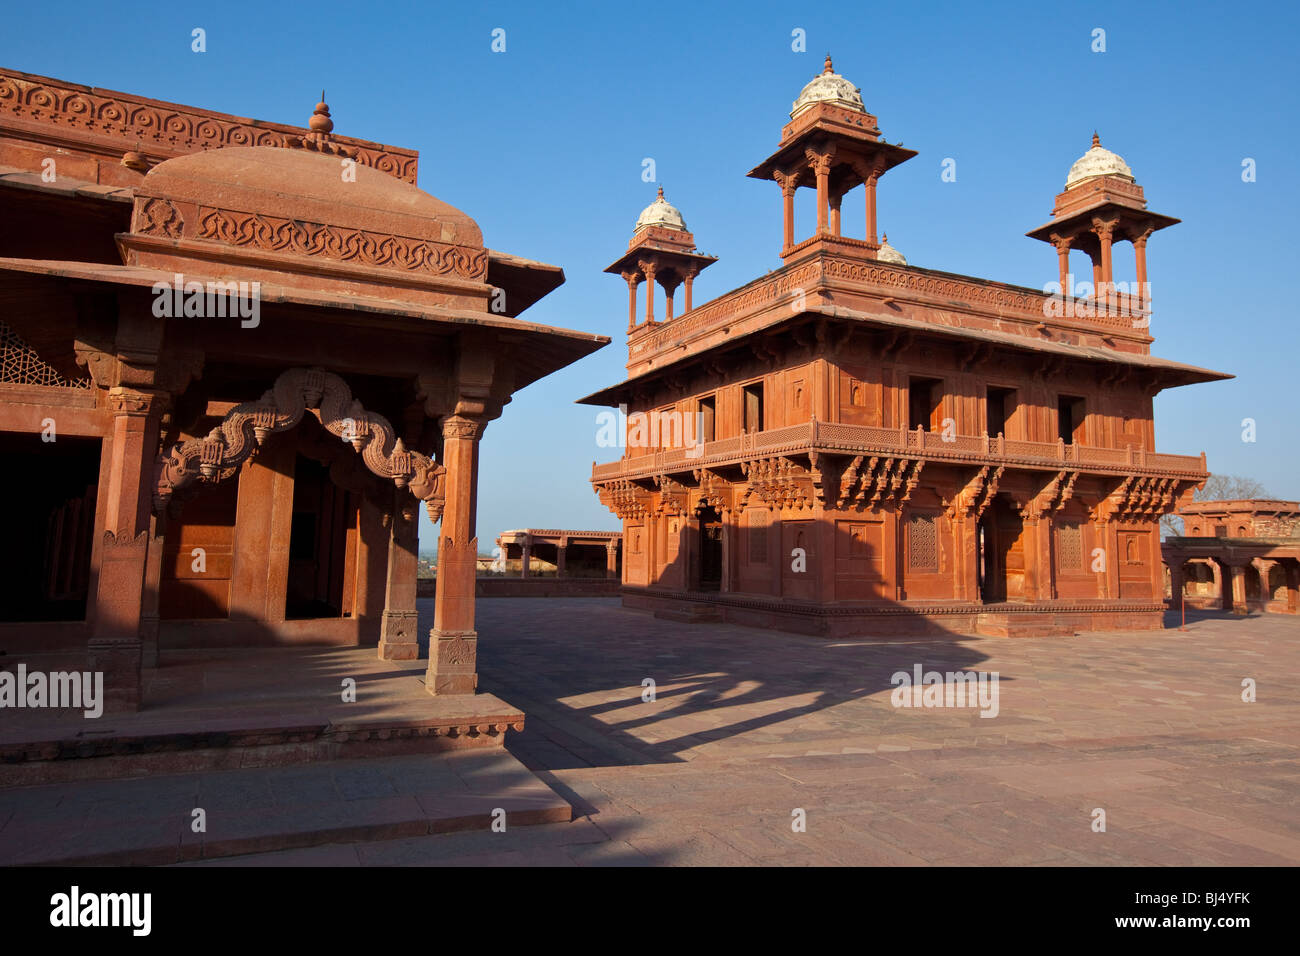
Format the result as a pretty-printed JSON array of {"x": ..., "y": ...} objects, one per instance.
[
  {"x": 1000, "y": 406},
  {"x": 925, "y": 404},
  {"x": 754, "y": 408},
  {"x": 1071, "y": 416}
]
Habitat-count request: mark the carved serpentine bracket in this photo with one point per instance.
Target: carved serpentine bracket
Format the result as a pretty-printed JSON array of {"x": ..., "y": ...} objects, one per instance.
[{"x": 282, "y": 408}]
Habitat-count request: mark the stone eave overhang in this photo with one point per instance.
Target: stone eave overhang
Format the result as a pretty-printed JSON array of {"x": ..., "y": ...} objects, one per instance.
[
  {"x": 1175, "y": 373},
  {"x": 551, "y": 348}
]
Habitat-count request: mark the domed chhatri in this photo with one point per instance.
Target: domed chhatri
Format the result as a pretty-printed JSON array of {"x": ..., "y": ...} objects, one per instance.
[
  {"x": 888, "y": 253},
  {"x": 829, "y": 87},
  {"x": 661, "y": 213},
  {"x": 1097, "y": 162}
]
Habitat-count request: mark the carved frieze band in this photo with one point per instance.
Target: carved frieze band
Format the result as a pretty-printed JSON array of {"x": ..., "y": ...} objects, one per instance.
[
  {"x": 272, "y": 234},
  {"x": 172, "y": 129},
  {"x": 281, "y": 408}
]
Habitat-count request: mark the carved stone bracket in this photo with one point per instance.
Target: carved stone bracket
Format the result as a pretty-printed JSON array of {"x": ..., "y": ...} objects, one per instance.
[{"x": 282, "y": 408}]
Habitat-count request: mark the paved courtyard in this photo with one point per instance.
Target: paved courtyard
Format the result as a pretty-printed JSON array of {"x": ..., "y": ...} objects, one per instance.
[{"x": 748, "y": 726}]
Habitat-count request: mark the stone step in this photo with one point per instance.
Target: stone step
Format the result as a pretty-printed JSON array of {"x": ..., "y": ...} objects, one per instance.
[
  {"x": 129, "y": 745},
  {"x": 150, "y": 820}
]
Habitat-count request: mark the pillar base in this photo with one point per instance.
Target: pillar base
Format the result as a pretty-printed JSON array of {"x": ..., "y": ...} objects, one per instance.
[
  {"x": 397, "y": 636},
  {"x": 119, "y": 659},
  {"x": 452, "y": 662}
]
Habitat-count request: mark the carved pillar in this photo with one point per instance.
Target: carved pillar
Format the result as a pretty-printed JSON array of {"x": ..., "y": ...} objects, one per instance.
[
  {"x": 115, "y": 645},
  {"x": 820, "y": 165},
  {"x": 1239, "y": 589},
  {"x": 1140, "y": 261},
  {"x": 788, "y": 184},
  {"x": 611, "y": 559},
  {"x": 870, "y": 184},
  {"x": 1062, "y": 244},
  {"x": 1264, "y": 568},
  {"x": 1221, "y": 589},
  {"x": 525, "y": 554},
  {"x": 561, "y": 557},
  {"x": 633, "y": 279},
  {"x": 1292, "y": 587},
  {"x": 1105, "y": 230},
  {"x": 690, "y": 278},
  {"x": 453, "y": 643},
  {"x": 835, "y": 201},
  {"x": 397, "y": 632},
  {"x": 649, "y": 270}
]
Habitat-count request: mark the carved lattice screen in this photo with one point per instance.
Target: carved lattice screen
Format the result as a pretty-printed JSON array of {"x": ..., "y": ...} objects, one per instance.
[{"x": 20, "y": 365}]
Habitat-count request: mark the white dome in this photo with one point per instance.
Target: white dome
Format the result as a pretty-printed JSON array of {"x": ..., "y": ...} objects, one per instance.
[
  {"x": 887, "y": 253},
  {"x": 660, "y": 213},
  {"x": 1097, "y": 162},
  {"x": 829, "y": 87}
]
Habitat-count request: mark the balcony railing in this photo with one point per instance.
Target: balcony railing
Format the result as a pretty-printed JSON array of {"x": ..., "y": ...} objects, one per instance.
[{"x": 834, "y": 437}]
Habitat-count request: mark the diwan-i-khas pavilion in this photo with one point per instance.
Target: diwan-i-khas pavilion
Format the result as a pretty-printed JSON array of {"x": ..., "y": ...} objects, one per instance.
[
  {"x": 883, "y": 447},
  {"x": 238, "y": 357}
]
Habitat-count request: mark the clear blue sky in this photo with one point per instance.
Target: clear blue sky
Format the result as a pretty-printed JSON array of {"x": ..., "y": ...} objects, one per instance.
[{"x": 543, "y": 145}]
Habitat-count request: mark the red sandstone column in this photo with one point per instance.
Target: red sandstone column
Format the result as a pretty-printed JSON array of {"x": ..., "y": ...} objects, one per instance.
[
  {"x": 1063, "y": 261},
  {"x": 788, "y": 184},
  {"x": 633, "y": 280},
  {"x": 1177, "y": 584},
  {"x": 115, "y": 645},
  {"x": 668, "y": 307},
  {"x": 823, "y": 168},
  {"x": 1239, "y": 589},
  {"x": 561, "y": 557},
  {"x": 690, "y": 277},
  {"x": 1140, "y": 257},
  {"x": 525, "y": 554},
  {"x": 453, "y": 643},
  {"x": 649, "y": 294},
  {"x": 611, "y": 560},
  {"x": 397, "y": 631},
  {"x": 835, "y": 214},
  {"x": 871, "y": 208}
]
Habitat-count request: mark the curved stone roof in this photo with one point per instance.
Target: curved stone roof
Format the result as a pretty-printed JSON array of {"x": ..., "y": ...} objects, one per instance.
[
  {"x": 829, "y": 87},
  {"x": 306, "y": 186},
  {"x": 661, "y": 213},
  {"x": 1097, "y": 162},
  {"x": 887, "y": 253}
]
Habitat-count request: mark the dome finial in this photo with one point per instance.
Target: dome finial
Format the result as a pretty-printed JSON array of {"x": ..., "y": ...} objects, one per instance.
[
  {"x": 828, "y": 68},
  {"x": 320, "y": 121},
  {"x": 1096, "y": 140},
  {"x": 661, "y": 191}
]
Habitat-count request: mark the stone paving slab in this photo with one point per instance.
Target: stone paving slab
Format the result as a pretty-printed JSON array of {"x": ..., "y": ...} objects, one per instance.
[{"x": 149, "y": 820}]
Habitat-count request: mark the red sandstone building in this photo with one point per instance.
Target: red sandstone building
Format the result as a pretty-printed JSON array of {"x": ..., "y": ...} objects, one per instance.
[
  {"x": 559, "y": 552},
  {"x": 1238, "y": 555},
  {"x": 212, "y": 477},
  {"x": 858, "y": 445}
]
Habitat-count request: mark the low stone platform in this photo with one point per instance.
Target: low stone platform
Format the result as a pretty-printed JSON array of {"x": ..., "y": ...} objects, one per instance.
[
  {"x": 151, "y": 821},
  {"x": 225, "y": 709}
]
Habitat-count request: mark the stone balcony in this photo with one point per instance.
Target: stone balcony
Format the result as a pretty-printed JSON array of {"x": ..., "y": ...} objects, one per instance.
[{"x": 835, "y": 438}]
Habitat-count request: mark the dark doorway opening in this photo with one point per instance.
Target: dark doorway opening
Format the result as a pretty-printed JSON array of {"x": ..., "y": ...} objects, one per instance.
[
  {"x": 1071, "y": 413},
  {"x": 925, "y": 404},
  {"x": 1002, "y": 553},
  {"x": 710, "y": 550},
  {"x": 322, "y": 516},
  {"x": 708, "y": 415},
  {"x": 1001, "y": 405},
  {"x": 45, "y": 564}
]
